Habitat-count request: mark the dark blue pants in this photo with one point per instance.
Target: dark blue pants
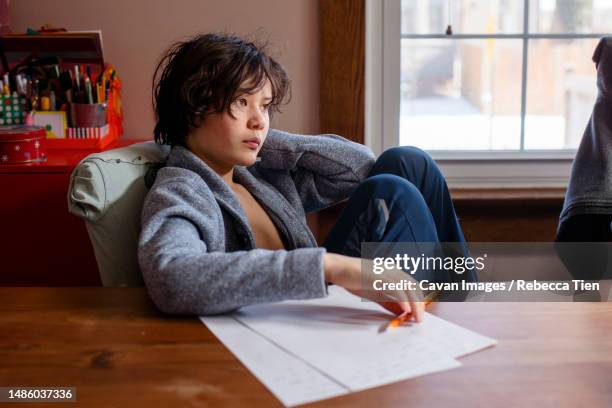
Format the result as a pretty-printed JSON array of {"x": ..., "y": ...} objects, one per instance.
[{"x": 404, "y": 199}]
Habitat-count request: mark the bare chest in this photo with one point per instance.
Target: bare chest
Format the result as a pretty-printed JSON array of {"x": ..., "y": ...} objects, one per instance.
[{"x": 265, "y": 232}]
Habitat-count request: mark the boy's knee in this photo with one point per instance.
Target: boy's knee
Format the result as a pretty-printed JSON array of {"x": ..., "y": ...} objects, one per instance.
[
  {"x": 386, "y": 185},
  {"x": 395, "y": 155}
]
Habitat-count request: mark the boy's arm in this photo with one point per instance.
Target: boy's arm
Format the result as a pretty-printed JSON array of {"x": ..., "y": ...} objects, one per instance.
[
  {"x": 184, "y": 277},
  {"x": 325, "y": 168}
]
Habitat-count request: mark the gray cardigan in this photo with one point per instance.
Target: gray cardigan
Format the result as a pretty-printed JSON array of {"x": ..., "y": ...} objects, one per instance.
[{"x": 196, "y": 250}]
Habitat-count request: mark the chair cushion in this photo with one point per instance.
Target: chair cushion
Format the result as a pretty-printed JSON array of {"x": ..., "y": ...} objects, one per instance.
[{"x": 107, "y": 189}]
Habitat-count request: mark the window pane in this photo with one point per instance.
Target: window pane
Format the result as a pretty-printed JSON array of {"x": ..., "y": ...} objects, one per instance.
[
  {"x": 461, "y": 94},
  {"x": 468, "y": 16},
  {"x": 561, "y": 91},
  {"x": 570, "y": 16}
]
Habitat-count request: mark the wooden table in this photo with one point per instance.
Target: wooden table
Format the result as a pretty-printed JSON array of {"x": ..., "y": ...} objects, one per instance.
[{"x": 118, "y": 351}]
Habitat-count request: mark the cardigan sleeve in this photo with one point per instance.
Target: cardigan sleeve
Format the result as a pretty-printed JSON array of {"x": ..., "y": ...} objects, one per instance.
[{"x": 325, "y": 168}]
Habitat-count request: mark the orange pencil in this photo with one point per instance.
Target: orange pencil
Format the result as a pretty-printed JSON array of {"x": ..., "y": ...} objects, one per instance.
[{"x": 406, "y": 316}]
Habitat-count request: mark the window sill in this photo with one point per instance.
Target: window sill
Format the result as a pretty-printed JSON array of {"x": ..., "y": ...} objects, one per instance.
[
  {"x": 508, "y": 196},
  {"x": 566, "y": 155},
  {"x": 504, "y": 174}
]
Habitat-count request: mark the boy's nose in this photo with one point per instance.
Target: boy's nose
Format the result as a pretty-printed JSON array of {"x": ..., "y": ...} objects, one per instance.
[{"x": 256, "y": 121}]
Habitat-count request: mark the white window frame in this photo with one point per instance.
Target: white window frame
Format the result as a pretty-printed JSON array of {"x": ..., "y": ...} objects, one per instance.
[{"x": 463, "y": 169}]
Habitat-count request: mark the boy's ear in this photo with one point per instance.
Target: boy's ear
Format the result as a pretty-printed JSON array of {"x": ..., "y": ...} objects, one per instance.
[{"x": 200, "y": 118}]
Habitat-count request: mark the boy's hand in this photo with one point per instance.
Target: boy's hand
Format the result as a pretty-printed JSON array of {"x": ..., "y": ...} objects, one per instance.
[{"x": 347, "y": 272}]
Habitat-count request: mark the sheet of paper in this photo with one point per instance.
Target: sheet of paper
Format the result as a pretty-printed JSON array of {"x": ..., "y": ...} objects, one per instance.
[
  {"x": 291, "y": 380},
  {"x": 341, "y": 335},
  {"x": 337, "y": 345}
]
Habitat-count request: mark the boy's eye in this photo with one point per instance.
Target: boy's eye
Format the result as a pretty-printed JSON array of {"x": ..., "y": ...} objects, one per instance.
[{"x": 242, "y": 102}]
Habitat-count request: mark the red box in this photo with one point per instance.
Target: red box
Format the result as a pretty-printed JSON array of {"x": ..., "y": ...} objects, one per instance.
[{"x": 22, "y": 144}]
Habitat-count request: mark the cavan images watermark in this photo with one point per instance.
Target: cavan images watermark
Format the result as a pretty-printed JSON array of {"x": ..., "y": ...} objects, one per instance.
[{"x": 489, "y": 272}]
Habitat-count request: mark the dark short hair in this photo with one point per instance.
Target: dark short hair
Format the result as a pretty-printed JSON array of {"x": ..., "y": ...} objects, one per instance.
[{"x": 203, "y": 75}]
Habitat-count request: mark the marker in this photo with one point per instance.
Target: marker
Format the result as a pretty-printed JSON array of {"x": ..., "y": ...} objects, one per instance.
[{"x": 88, "y": 90}]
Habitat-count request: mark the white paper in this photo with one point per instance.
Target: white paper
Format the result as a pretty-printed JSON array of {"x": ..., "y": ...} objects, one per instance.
[
  {"x": 290, "y": 380},
  {"x": 309, "y": 350}
]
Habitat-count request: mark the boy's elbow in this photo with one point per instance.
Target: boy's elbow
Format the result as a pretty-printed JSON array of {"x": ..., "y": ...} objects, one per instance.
[
  {"x": 164, "y": 292},
  {"x": 202, "y": 307},
  {"x": 371, "y": 155},
  {"x": 366, "y": 164},
  {"x": 172, "y": 294},
  {"x": 171, "y": 299}
]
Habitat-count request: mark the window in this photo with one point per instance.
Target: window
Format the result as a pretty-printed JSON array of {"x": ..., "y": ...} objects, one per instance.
[{"x": 513, "y": 85}]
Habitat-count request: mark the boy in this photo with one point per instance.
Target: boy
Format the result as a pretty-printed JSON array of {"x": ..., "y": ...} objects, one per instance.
[{"x": 221, "y": 230}]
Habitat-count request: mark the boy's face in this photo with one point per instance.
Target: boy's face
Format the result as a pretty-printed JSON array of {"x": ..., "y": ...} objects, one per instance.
[{"x": 223, "y": 141}]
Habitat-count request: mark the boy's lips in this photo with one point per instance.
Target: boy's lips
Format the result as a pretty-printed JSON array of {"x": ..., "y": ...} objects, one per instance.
[{"x": 253, "y": 143}]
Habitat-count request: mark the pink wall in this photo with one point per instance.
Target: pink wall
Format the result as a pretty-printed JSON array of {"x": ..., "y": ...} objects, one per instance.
[{"x": 136, "y": 32}]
